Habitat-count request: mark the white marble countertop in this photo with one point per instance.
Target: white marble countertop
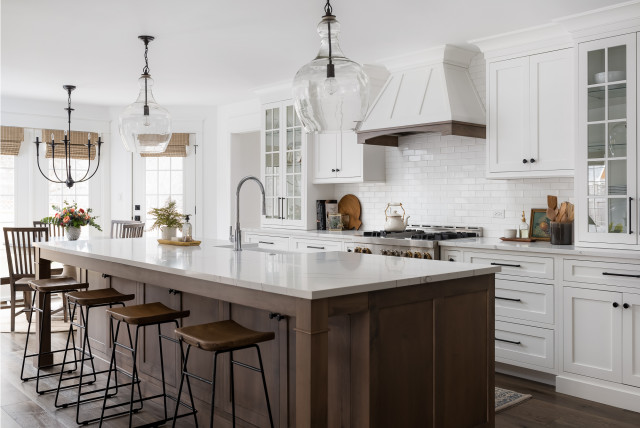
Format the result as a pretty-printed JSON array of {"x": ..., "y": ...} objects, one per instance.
[
  {"x": 539, "y": 247},
  {"x": 304, "y": 275}
]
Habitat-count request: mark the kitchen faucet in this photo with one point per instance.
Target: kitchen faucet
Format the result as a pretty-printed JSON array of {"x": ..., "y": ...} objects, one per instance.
[{"x": 237, "y": 240}]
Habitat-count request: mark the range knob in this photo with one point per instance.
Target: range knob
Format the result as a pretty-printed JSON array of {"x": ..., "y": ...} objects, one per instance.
[
  {"x": 417, "y": 255},
  {"x": 365, "y": 250},
  {"x": 428, "y": 256},
  {"x": 357, "y": 250},
  {"x": 408, "y": 254},
  {"x": 384, "y": 252}
]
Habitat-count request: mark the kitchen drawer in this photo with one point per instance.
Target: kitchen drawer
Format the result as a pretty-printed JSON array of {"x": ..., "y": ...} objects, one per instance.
[
  {"x": 314, "y": 245},
  {"x": 516, "y": 343},
  {"x": 268, "y": 241},
  {"x": 451, "y": 255},
  {"x": 524, "y": 300},
  {"x": 605, "y": 273},
  {"x": 514, "y": 264}
]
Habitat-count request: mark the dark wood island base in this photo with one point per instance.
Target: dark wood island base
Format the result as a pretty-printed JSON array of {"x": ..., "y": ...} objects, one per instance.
[{"x": 411, "y": 356}]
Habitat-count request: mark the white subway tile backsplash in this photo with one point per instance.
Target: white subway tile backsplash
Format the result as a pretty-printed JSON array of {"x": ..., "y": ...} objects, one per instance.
[{"x": 441, "y": 180}]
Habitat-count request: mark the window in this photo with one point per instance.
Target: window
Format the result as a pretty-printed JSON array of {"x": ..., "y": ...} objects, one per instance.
[
  {"x": 79, "y": 193},
  {"x": 7, "y": 191},
  {"x": 164, "y": 180}
]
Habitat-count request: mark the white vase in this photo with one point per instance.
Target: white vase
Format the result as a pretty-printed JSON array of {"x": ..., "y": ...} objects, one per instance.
[
  {"x": 168, "y": 233},
  {"x": 73, "y": 233}
]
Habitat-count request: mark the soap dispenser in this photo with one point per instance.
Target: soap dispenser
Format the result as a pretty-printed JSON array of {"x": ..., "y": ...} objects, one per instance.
[
  {"x": 523, "y": 230},
  {"x": 186, "y": 229}
]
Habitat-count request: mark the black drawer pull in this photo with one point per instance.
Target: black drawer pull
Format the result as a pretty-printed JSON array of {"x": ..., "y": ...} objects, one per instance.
[
  {"x": 315, "y": 248},
  {"x": 626, "y": 275},
  {"x": 504, "y": 264},
  {"x": 265, "y": 242},
  {"x": 507, "y": 298},
  {"x": 509, "y": 341}
]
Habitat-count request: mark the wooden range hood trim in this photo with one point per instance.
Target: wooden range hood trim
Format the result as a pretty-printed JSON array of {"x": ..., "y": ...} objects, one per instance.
[{"x": 389, "y": 136}]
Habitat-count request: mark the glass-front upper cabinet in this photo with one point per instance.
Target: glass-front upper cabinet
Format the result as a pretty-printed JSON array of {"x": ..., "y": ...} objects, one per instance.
[
  {"x": 606, "y": 179},
  {"x": 283, "y": 165}
]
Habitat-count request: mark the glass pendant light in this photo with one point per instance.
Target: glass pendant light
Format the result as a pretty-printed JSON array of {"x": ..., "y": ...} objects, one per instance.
[
  {"x": 331, "y": 93},
  {"x": 145, "y": 126}
]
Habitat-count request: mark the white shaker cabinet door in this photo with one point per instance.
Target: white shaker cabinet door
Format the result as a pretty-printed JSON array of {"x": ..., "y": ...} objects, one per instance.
[
  {"x": 509, "y": 115},
  {"x": 631, "y": 340},
  {"x": 325, "y": 151},
  {"x": 551, "y": 111},
  {"x": 350, "y": 156},
  {"x": 593, "y": 333}
]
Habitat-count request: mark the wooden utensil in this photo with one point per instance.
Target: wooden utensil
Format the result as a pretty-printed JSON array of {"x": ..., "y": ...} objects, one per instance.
[
  {"x": 563, "y": 212},
  {"x": 570, "y": 212},
  {"x": 551, "y": 214},
  {"x": 350, "y": 204},
  {"x": 552, "y": 202}
]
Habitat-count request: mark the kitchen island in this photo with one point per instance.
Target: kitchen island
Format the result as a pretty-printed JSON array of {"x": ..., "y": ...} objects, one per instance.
[{"x": 361, "y": 340}]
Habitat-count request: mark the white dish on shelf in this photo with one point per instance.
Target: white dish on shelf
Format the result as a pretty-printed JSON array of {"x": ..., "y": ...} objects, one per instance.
[{"x": 614, "y": 76}]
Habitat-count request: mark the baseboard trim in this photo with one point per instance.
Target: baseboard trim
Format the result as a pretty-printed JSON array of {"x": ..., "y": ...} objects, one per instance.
[
  {"x": 612, "y": 394},
  {"x": 524, "y": 373}
]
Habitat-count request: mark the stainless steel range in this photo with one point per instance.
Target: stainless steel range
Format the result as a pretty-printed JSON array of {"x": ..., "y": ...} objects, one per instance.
[{"x": 418, "y": 241}]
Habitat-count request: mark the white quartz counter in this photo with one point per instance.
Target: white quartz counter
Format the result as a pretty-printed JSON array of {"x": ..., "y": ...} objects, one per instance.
[
  {"x": 304, "y": 275},
  {"x": 539, "y": 247}
]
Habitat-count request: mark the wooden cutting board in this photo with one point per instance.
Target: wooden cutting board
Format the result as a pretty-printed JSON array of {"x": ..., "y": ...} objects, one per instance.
[
  {"x": 178, "y": 243},
  {"x": 350, "y": 204}
]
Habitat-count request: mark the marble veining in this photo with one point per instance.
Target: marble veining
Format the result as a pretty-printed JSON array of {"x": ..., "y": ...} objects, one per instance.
[{"x": 304, "y": 275}]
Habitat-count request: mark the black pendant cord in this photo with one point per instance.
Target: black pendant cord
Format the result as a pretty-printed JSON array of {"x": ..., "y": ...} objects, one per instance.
[
  {"x": 145, "y": 71},
  {"x": 328, "y": 12},
  {"x": 67, "y": 139}
]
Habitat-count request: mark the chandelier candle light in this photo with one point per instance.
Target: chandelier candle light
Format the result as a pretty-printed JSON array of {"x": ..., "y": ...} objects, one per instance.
[
  {"x": 145, "y": 126},
  {"x": 66, "y": 142},
  {"x": 331, "y": 93}
]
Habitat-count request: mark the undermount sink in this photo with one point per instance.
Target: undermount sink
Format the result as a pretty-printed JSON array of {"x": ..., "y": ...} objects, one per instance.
[{"x": 253, "y": 247}]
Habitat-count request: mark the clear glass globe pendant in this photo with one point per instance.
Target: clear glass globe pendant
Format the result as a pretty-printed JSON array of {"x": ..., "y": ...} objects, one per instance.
[
  {"x": 145, "y": 126},
  {"x": 331, "y": 93}
]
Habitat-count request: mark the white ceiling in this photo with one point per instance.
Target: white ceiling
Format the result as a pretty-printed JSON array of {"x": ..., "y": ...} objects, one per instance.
[{"x": 211, "y": 52}]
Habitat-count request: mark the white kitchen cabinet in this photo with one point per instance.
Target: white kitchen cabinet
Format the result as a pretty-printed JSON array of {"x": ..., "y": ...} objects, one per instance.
[
  {"x": 593, "y": 333},
  {"x": 530, "y": 116},
  {"x": 606, "y": 173},
  {"x": 274, "y": 242},
  {"x": 338, "y": 158},
  {"x": 304, "y": 245},
  {"x": 284, "y": 166},
  {"x": 631, "y": 339}
]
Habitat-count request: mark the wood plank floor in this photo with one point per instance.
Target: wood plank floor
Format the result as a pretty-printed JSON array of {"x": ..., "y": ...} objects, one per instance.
[{"x": 20, "y": 406}]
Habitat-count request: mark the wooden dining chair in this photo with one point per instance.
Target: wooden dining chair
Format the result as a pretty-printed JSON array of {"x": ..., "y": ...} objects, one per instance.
[
  {"x": 54, "y": 229},
  {"x": 18, "y": 243},
  {"x": 117, "y": 225},
  {"x": 132, "y": 230}
]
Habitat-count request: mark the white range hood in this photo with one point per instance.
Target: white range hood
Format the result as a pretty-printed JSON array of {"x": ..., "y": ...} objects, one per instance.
[{"x": 430, "y": 91}]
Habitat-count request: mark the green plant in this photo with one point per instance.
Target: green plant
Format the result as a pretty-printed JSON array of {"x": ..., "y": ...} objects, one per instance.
[
  {"x": 167, "y": 216},
  {"x": 72, "y": 216}
]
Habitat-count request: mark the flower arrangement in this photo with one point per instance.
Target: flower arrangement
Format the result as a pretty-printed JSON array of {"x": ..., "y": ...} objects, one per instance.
[
  {"x": 72, "y": 216},
  {"x": 167, "y": 216}
]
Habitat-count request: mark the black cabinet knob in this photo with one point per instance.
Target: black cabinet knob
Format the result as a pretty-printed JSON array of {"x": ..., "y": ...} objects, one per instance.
[
  {"x": 626, "y": 306},
  {"x": 524, "y": 161},
  {"x": 615, "y": 304},
  {"x": 337, "y": 170},
  {"x": 451, "y": 259},
  {"x": 532, "y": 160},
  {"x": 333, "y": 170}
]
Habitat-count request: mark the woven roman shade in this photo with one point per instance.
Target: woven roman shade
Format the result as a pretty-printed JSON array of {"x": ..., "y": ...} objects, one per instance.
[
  {"x": 11, "y": 139},
  {"x": 78, "y": 143},
  {"x": 177, "y": 147}
]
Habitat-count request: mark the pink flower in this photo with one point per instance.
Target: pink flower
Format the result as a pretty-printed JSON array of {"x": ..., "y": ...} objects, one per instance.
[
  {"x": 57, "y": 215},
  {"x": 81, "y": 210},
  {"x": 66, "y": 219},
  {"x": 71, "y": 210}
]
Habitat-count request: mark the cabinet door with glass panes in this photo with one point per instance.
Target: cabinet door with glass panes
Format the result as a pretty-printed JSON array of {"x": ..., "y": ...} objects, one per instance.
[
  {"x": 283, "y": 165},
  {"x": 606, "y": 184}
]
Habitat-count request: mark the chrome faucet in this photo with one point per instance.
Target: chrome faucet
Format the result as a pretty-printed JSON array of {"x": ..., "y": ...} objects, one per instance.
[{"x": 237, "y": 240}]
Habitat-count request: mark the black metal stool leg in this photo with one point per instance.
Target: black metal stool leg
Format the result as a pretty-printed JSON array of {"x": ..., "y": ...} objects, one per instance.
[
  {"x": 213, "y": 388},
  {"x": 233, "y": 394},
  {"x": 134, "y": 372},
  {"x": 264, "y": 384},
  {"x": 72, "y": 311},
  {"x": 26, "y": 345},
  {"x": 184, "y": 369},
  {"x": 164, "y": 388},
  {"x": 111, "y": 366}
]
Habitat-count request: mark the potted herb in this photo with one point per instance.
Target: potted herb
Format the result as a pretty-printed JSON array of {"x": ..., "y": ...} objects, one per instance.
[
  {"x": 168, "y": 219},
  {"x": 72, "y": 218}
]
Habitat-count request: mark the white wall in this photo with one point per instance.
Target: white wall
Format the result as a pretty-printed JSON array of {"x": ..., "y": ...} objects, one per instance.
[{"x": 245, "y": 160}]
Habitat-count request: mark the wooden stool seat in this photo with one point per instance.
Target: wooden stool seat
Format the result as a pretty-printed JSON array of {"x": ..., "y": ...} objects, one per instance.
[
  {"x": 56, "y": 285},
  {"x": 98, "y": 297},
  {"x": 149, "y": 313},
  {"x": 222, "y": 336}
]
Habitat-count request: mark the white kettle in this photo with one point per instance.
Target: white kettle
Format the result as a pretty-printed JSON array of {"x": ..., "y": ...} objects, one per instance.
[{"x": 394, "y": 221}]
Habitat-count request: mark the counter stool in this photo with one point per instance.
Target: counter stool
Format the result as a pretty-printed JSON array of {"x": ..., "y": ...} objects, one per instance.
[
  {"x": 141, "y": 316},
  {"x": 85, "y": 301},
  {"x": 47, "y": 287},
  {"x": 221, "y": 337}
]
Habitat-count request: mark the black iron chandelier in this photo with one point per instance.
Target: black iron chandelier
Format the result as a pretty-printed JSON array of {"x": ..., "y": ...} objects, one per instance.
[{"x": 67, "y": 146}]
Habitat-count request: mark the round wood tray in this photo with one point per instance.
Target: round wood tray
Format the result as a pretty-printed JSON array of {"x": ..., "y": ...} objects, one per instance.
[{"x": 350, "y": 204}]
